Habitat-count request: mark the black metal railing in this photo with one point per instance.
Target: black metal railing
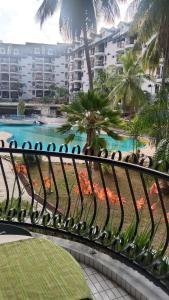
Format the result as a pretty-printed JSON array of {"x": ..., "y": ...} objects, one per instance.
[{"x": 118, "y": 205}]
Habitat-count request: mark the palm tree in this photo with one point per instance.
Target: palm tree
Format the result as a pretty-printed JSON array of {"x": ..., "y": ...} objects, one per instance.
[
  {"x": 151, "y": 22},
  {"x": 79, "y": 17},
  {"x": 154, "y": 119},
  {"x": 128, "y": 84},
  {"x": 90, "y": 113},
  {"x": 105, "y": 81}
]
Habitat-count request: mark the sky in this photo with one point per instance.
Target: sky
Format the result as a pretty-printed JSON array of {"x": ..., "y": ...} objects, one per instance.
[{"x": 18, "y": 24}]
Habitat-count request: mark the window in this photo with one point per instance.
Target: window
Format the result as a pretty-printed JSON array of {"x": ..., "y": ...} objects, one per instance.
[
  {"x": 36, "y": 51},
  {"x": 50, "y": 51},
  {"x": 2, "y": 51},
  {"x": 16, "y": 51}
]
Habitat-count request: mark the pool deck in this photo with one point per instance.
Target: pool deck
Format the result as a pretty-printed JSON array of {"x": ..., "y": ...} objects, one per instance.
[{"x": 5, "y": 136}]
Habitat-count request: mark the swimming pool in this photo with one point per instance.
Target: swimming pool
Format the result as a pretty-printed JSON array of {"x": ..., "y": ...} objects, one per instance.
[{"x": 48, "y": 134}]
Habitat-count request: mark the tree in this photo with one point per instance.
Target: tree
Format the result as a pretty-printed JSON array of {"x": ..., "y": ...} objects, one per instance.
[
  {"x": 154, "y": 119},
  {"x": 128, "y": 84},
  {"x": 58, "y": 93},
  {"x": 151, "y": 23},
  {"x": 90, "y": 113},
  {"x": 21, "y": 107},
  {"x": 104, "y": 82},
  {"x": 79, "y": 17}
]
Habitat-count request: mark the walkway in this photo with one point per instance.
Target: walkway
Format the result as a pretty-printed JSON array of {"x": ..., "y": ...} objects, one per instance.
[{"x": 10, "y": 179}]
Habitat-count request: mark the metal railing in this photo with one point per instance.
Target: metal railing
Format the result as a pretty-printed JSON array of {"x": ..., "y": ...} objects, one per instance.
[{"x": 119, "y": 206}]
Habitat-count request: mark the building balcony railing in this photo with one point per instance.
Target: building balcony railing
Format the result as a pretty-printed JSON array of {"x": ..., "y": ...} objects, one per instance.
[
  {"x": 129, "y": 46},
  {"x": 119, "y": 206},
  {"x": 49, "y": 70},
  {"x": 38, "y": 70},
  {"x": 77, "y": 80},
  {"x": 4, "y": 69},
  {"x": 99, "y": 53},
  {"x": 78, "y": 58},
  {"x": 38, "y": 78},
  {"x": 99, "y": 63},
  {"x": 48, "y": 79},
  {"x": 14, "y": 79}
]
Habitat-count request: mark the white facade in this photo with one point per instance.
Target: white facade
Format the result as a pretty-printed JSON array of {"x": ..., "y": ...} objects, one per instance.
[
  {"x": 105, "y": 50},
  {"x": 29, "y": 70}
]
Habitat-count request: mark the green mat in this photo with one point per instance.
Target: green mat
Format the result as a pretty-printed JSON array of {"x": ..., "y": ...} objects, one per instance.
[{"x": 38, "y": 269}]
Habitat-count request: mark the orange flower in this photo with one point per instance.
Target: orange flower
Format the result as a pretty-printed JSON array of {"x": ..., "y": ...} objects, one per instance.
[
  {"x": 140, "y": 203},
  {"x": 83, "y": 175},
  {"x": 100, "y": 195},
  {"x": 153, "y": 189},
  {"x": 112, "y": 197},
  {"x": 47, "y": 182},
  {"x": 154, "y": 207},
  {"x": 76, "y": 189}
]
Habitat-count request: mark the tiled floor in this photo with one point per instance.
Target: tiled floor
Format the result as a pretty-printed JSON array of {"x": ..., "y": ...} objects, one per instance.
[{"x": 101, "y": 287}]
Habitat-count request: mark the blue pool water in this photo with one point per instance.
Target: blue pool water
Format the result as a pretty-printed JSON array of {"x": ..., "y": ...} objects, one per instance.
[{"x": 47, "y": 134}]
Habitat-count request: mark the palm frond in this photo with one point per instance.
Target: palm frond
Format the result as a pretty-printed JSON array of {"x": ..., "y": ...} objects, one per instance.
[
  {"x": 47, "y": 9},
  {"x": 69, "y": 138}
]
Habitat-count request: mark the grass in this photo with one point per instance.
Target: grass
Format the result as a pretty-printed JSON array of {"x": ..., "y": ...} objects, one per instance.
[{"x": 115, "y": 211}]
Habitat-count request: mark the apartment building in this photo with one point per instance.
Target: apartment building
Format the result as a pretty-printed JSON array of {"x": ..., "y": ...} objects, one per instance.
[
  {"x": 105, "y": 51},
  {"x": 29, "y": 70}
]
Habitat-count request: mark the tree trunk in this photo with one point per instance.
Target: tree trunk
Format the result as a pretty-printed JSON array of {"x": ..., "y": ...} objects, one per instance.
[
  {"x": 86, "y": 47},
  {"x": 91, "y": 136},
  {"x": 166, "y": 61}
]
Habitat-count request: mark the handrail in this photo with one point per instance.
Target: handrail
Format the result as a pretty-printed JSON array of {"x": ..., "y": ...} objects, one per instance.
[{"x": 125, "y": 213}]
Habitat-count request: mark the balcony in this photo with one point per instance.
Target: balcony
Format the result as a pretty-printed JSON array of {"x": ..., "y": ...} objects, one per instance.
[
  {"x": 120, "y": 46},
  {"x": 4, "y": 68},
  {"x": 77, "y": 79},
  {"x": 99, "y": 64},
  {"x": 38, "y": 78},
  {"x": 115, "y": 221},
  {"x": 14, "y": 60},
  {"x": 77, "y": 67},
  {"x": 99, "y": 53},
  {"x": 129, "y": 43},
  {"x": 14, "y": 86},
  {"x": 78, "y": 58},
  {"x": 4, "y": 86},
  {"x": 4, "y": 77},
  {"x": 14, "y": 78},
  {"x": 48, "y": 70}
]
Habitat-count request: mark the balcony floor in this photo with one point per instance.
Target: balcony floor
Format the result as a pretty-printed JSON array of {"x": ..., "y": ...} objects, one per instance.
[{"x": 101, "y": 287}]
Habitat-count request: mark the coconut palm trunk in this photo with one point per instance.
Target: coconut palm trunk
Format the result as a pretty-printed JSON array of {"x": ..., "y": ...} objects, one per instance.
[
  {"x": 86, "y": 48},
  {"x": 166, "y": 61}
]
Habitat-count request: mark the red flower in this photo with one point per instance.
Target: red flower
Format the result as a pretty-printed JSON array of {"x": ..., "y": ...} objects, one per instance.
[
  {"x": 140, "y": 203},
  {"x": 153, "y": 189}
]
